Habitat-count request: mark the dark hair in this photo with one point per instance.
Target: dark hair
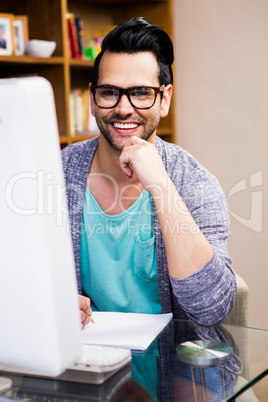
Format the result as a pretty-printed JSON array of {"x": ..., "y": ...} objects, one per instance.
[{"x": 139, "y": 35}]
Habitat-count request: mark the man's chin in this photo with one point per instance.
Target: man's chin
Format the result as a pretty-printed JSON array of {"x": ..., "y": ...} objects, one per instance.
[{"x": 117, "y": 145}]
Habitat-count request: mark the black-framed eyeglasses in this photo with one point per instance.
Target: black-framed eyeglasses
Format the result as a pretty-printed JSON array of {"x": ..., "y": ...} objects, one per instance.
[{"x": 108, "y": 96}]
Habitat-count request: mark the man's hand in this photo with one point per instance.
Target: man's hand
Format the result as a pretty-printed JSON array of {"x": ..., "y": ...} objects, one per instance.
[
  {"x": 85, "y": 309},
  {"x": 142, "y": 157}
]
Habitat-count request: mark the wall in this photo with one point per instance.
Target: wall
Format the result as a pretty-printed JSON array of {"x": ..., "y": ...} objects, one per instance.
[{"x": 221, "y": 89}]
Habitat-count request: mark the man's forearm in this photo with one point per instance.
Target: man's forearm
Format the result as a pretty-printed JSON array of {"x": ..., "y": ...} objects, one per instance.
[{"x": 187, "y": 248}]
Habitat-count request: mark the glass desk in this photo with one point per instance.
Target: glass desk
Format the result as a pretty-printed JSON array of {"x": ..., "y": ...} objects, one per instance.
[{"x": 187, "y": 362}]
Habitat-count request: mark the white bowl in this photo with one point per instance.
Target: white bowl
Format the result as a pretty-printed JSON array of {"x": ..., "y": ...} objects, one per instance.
[{"x": 39, "y": 48}]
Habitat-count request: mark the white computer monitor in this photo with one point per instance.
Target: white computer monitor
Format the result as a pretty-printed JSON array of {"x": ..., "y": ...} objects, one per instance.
[{"x": 39, "y": 314}]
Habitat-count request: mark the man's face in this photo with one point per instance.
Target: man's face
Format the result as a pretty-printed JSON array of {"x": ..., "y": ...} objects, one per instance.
[{"x": 123, "y": 121}]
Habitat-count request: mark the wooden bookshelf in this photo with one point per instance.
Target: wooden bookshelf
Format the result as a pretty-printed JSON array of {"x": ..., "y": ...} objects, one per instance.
[{"x": 47, "y": 21}]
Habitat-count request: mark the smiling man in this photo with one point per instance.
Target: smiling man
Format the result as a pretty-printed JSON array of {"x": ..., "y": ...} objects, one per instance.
[{"x": 149, "y": 223}]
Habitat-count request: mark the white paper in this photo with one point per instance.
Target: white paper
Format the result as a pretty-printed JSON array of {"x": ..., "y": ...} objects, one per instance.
[{"x": 127, "y": 330}]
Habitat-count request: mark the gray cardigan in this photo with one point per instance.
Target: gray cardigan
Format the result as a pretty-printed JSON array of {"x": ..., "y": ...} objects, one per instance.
[{"x": 206, "y": 296}]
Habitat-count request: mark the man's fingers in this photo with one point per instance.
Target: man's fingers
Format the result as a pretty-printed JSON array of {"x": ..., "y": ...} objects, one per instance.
[
  {"x": 84, "y": 303},
  {"x": 84, "y": 318},
  {"x": 127, "y": 171}
]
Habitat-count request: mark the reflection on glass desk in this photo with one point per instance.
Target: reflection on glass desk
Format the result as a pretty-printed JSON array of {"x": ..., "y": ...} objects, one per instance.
[{"x": 187, "y": 362}]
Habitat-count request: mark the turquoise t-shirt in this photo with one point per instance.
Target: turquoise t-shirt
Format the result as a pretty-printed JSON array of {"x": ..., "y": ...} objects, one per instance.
[
  {"x": 145, "y": 369},
  {"x": 118, "y": 257}
]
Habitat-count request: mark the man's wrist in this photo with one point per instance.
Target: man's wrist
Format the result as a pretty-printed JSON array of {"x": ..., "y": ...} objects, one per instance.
[{"x": 164, "y": 194}]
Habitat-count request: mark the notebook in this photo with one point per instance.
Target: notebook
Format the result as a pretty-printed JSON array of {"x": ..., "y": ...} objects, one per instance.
[{"x": 126, "y": 330}]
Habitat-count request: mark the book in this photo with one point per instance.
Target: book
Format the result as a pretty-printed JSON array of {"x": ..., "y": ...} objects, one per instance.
[
  {"x": 82, "y": 122},
  {"x": 126, "y": 330},
  {"x": 79, "y": 24},
  {"x": 72, "y": 112},
  {"x": 73, "y": 40},
  {"x": 79, "y": 117},
  {"x": 86, "y": 109}
]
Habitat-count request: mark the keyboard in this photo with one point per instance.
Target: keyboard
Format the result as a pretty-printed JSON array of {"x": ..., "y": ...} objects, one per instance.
[
  {"x": 101, "y": 358},
  {"x": 95, "y": 364}
]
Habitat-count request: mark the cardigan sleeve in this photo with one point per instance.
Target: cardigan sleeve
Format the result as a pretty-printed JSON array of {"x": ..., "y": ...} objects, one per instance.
[{"x": 208, "y": 295}]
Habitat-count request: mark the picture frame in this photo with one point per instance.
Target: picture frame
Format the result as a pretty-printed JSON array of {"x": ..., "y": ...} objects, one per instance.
[
  {"x": 6, "y": 34},
  {"x": 21, "y": 33}
]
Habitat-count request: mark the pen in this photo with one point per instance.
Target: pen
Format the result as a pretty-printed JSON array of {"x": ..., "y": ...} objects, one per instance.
[{"x": 91, "y": 319}]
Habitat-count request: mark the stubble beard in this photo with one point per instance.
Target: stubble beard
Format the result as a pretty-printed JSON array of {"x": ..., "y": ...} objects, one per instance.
[{"x": 103, "y": 125}]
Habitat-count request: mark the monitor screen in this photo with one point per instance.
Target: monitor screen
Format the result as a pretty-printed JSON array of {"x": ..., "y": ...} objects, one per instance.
[{"x": 39, "y": 314}]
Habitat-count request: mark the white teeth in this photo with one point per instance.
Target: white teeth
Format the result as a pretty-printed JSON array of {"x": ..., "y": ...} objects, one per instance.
[{"x": 125, "y": 126}]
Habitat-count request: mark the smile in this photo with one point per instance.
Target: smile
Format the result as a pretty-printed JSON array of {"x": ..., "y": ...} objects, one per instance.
[{"x": 125, "y": 126}]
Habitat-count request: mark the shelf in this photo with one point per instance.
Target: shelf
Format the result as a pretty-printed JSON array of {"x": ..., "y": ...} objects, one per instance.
[
  {"x": 82, "y": 137},
  {"x": 81, "y": 63},
  {"x": 31, "y": 60},
  {"x": 162, "y": 132},
  {"x": 46, "y": 60},
  {"x": 63, "y": 140}
]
